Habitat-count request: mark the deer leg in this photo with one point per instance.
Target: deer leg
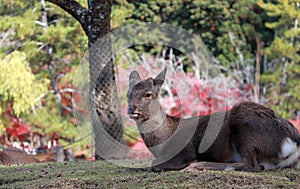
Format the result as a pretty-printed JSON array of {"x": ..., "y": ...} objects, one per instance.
[
  {"x": 248, "y": 163},
  {"x": 238, "y": 166},
  {"x": 180, "y": 161},
  {"x": 203, "y": 165},
  {"x": 249, "y": 159},
  {"x": 176, "y": 163}
]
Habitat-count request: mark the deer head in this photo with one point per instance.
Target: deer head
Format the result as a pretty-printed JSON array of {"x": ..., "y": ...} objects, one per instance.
[{"x": 143, "y": 96}]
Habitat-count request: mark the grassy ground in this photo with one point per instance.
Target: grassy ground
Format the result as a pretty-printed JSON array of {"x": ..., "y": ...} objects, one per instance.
[{"x": 101, "y": 174}]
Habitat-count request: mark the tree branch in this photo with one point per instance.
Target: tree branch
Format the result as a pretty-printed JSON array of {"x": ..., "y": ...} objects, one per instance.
[{"x": 75, "y": 9}]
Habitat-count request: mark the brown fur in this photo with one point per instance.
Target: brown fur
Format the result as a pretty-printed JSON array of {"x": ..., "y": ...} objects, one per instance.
[{"x": 250, "y": 134}]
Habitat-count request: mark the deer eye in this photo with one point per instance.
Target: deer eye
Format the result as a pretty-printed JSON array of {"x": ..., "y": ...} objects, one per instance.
[{"x": 147, "y": 95}]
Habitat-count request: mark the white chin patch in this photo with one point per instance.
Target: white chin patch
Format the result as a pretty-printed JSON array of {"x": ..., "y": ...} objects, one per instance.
[{"x": 290, "y": 154}]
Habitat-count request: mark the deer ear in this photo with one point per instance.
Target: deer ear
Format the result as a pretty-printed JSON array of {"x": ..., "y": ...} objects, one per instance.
[
  {"x": 160, "y": 78},
  {"x": 134, "y": 78}
]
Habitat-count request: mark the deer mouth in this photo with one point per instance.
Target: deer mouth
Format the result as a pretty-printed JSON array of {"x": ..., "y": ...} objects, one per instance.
[{"x": 134, "y": 115}]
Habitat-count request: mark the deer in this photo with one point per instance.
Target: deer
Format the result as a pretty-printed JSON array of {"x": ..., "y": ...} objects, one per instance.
[{"x": 250, "y": 137}]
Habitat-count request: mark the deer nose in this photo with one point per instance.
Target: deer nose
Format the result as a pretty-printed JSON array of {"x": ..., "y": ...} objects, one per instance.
[{"x": 131, "y": 109}]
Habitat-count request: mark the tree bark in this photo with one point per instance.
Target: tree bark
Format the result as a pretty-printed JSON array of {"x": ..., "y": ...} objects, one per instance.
[
  {"x": 103, "y": 92},
  {"x": 104, "y": 97},
  {"x": 76, "y": 10}
]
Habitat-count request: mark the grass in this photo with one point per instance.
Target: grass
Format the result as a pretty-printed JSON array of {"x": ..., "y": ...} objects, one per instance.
[{"x": 102, "y": 174}]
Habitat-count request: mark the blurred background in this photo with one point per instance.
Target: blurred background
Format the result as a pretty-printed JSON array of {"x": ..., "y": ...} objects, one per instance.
[{"x": 255, "y": 42}]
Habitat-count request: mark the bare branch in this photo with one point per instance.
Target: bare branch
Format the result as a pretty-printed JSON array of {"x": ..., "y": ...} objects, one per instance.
[
  {"x": 241, "y": 56},
  {"x": 40, "y": 23},
  {"x": 75, "y": 9}
]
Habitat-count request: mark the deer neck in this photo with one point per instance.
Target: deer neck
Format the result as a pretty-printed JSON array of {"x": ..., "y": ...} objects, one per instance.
[
  {"x": 155, "y": 121},
  {"x": 158, "y": 128}
]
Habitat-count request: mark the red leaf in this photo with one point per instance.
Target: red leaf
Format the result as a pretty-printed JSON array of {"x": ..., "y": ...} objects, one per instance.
[
  {"x": 18, "y": 129},
  {"x": 296, "y": 124}
]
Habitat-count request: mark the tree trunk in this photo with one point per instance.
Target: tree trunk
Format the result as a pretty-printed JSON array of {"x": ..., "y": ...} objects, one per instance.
[
  {"x": 104, "y": 98},
  {"x": 104, "y": 104}
]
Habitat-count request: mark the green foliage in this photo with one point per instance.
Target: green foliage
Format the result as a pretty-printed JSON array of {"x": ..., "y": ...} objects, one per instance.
[
  {"x": 53, "y": 43},
  {"x": 19, "y": 85},
  {"x": 53, "y": 48},
  {"x": 198, "y": 17},
  {"x": 284, "y": 52},
  {"x": 233, "y": 30},
  {"x": 121, "y": 10},
  {"x": 213, "y": 21},
  {"x": 48, "y": 120},
  {"x": 286, "y": 43},
  {"x": 245, "y": 24},
  {"x": 41, "y": 57}
]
